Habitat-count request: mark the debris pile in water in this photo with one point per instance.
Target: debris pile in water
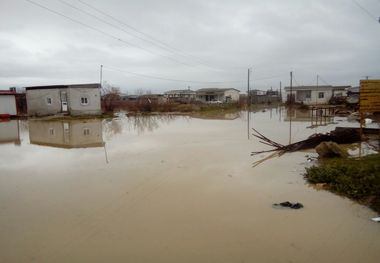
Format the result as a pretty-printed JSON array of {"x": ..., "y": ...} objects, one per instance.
[{"x": 339, "y": 135}]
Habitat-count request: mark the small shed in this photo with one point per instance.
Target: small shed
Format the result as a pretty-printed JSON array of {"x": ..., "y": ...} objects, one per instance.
[
  {"x": 8, "y": 103},
  {"x": 76, "y": 100}
]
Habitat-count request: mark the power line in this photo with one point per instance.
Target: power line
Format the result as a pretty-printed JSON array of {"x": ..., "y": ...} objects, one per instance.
[
  {"x": 104, "y": 33},
  {"x": 181, "y": 80},
  {"x": 294, "y": 78},
  {"x": 127, "y": 25},
  {"x": 366, "y": 11},
  {"x": 120, "y": 28},
  {"x": 168, "y": 79},
  {"x": 271, "y": 77},
  {"x": 323, "y": 80},
  {"x": 152, "y": 39}
]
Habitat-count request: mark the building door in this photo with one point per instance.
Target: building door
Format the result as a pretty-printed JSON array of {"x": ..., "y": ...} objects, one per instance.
[{"x": 64, "y": 101}]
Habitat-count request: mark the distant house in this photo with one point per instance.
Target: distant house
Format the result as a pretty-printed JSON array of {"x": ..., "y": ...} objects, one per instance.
[
  {"x": 184, "y": 95},
  {"x": 8, "y": 105},
  {"x": 217, "y": 95},
  {"x": 261, "y": 96},
  {"x": 310, "y": 95},
  {"x": 152, "y": 98},
  {"x": 126, "y": 97},
  {"x": 81, "y": 99}
]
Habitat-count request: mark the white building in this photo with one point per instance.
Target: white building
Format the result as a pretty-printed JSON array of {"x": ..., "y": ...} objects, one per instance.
[
  {"x": 8, "y": 103},
  {"x": 82, "y": 99},
  {"x": 312, "y": 95},
  {"x": 218, "y": 95}
]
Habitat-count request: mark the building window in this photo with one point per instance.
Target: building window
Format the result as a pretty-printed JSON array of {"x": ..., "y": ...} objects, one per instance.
[
  {"x": 49, "y": 101},
  {"x": 308, "y": 94},
  {"x": 321, "y": 95},
  {"x": 84, "y": 100},
  {"x": 86, "y": 131},
  {"x": 51, "y": 131}
]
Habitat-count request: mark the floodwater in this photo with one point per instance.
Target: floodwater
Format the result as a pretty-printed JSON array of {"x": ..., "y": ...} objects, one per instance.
[{"x": 170, "y": 189}]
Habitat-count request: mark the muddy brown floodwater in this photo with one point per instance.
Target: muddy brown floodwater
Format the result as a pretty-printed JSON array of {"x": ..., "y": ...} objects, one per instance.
[{"x": 170, "y": 189}]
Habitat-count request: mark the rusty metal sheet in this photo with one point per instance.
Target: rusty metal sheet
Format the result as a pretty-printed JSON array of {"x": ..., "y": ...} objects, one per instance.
[{"x": 370, "y": 95}]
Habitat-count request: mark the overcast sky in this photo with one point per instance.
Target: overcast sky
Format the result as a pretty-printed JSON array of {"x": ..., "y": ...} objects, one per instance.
[{"x": 192, "y": 40}]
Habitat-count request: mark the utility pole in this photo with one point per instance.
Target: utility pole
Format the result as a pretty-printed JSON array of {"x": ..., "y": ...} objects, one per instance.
[
  {"x": 101, "y": 75},
  {"x": 291, "y": 87},
  {"x": 248, "y": 88},
  {"x": 281, "y": 91},
  {"x": 248, "y": 104},
  {"x": 316, "y": 92}
]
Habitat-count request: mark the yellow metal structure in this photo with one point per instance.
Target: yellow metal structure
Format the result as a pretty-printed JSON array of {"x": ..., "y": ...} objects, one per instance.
[{"x": 369, "y": 96}]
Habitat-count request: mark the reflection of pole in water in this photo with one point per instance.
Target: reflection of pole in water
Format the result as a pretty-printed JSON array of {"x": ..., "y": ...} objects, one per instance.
[
  {"x": 248, "y": 99},
  {"x": 105, "y": 152},
  {"x": 290, "y": 126},
  {"x": 18, "y": 133},
  {"x": 248, "y": 117}
]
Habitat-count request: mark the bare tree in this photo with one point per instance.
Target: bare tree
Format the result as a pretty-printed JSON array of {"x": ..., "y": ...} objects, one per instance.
[{"x": 110, "y": 97}]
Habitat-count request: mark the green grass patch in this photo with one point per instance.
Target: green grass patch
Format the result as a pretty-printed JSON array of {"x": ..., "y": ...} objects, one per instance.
[{"x": 358, "y": 179}]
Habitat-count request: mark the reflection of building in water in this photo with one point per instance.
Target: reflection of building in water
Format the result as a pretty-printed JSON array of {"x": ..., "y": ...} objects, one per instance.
[
  {"x": 297, "y": 115},
  {"x": 320, "y": 118},
  {"x": 10, "y": 132},
  {"x": 66, "y": 134}
]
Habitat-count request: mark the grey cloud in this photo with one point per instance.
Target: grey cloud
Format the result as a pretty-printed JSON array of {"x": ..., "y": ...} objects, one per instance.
[{"x": 332, "y": 38}]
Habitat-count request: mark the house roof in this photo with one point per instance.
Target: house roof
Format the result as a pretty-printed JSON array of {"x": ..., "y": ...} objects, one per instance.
[
  {"x": 7, "y": 92},
  {"x": 309, "y": 87},
  {"x": 180, "y": 91},
  {"x": 329, "y": 87},
  {"x": 91, "y": 85},
  {"x": 214, "y": 90},
  {"x": 151, "y": 95}
]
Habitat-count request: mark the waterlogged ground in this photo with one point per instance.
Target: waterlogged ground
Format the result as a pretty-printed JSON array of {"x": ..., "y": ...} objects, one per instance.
[{"x": 170, "y": 189}]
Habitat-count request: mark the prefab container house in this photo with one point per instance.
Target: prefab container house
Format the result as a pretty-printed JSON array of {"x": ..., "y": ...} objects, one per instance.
[{"x": 76, "y": 100}]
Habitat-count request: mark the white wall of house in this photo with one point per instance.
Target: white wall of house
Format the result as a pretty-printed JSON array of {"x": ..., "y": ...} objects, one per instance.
[
  {"x": 43, "y": 101},
  {"x": 230, "y": 95},
  {"x": 8, "y": 104},
  {"x": 320, "y": 96},
  {"x": 233, "y": 94},
  {"x": 84, "y": 101},
  {"x": 311, "y": 96}
]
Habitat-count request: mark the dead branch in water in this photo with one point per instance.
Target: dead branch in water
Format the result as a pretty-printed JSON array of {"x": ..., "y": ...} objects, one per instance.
[{"x": 339, "y": 135}]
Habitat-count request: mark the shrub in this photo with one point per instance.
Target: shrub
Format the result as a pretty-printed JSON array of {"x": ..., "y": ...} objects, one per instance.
[{"x": 358, "y": 179}]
